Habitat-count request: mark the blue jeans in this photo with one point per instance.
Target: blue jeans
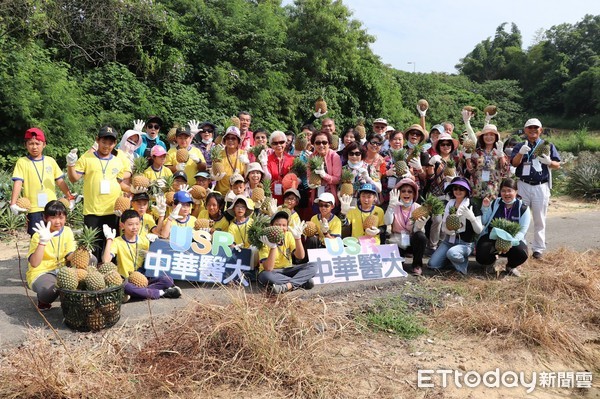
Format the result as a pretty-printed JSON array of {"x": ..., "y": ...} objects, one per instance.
[{"x": 457, "y": 253}]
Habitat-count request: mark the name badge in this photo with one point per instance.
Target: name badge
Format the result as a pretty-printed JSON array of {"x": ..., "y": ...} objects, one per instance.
[
  {"x": 392, "y": 181},
  {"x": 278, "y": 189},
  {"x": 526, "y": 168},
  {"x": 404, "y": 240},
  {"x": 537, "y": 166},
  {"x": 485, "y": 175},
  {"x": 320, "y": 190},
  {"x": 104, "y": 186},
  {"x": 42, "y": 199}
]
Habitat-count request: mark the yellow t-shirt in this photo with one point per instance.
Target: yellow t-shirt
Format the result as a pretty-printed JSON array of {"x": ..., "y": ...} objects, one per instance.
[
  {"x": 147, "y": 224},
  {"x": 126, "y": 252},
  {"x": 37, "y": 176},
  {"x": 294, "y": 219},
  {"x": 125, "y": 159},
  {"x": 335, "y": 226},
  {"x": 55, "y": 253},
  {"x": 154, "y": 175},
  {"x": 95, "y": 171},
  {"x": 220, "y": 225},
  {"x": 230, "y": 163},
  {"x": 240, "y": 232},
  {"x": 191, "y": 167},
  {"x": 284, "y": 253},
  {"x": 356, "y": 216}
]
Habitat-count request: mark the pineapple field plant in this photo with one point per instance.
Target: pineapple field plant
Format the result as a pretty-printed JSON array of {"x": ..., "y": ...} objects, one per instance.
[
  {"x": 400, "y": 165},
  {"x": 431, "y": 206},
  {"x": 347, "y": 186},
  {"x": 80, "y": 258},
  {"x": 512, "y": 228},
  {"x": 452, "y": 221},
  {"x": 314, "y": 163}
]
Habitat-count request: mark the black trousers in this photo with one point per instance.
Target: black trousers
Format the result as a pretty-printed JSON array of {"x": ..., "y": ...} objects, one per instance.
[
  {"x": 95, "y": 221},
  {"x": 486, "y": 252}
]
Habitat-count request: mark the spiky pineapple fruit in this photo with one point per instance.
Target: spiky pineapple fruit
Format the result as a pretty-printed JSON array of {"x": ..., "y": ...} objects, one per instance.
[
  {"x": 315, "y": 162},
  {"x": 298, "y": 168},
  {"x": 138, "y": 279},
  {"x": 170, "y": 197},
  {"x": 469, "y": 146},
  {"x": 235, "y": 121},
  {"x": 198, "y": 192},
  {"x": 274, "y": 234},
  {"x": 80, "y": 258},
  {"x": 450, "y": 169},
  {"x": 512, "y": 228},
  {"x": 432, "y": 205},
  {"x": 347, "y": 186},
  {"x": 310, "y": 229},
  {"x": 172, "y": 135},
  {"x": 216, "y": 154},
  {"x": 81, "y": 274},
  {"x": 268, "y": 194},
  {"x": 400, "y": 165},
  {"x": 258, "y": 193},
  {"x": 203, "y": 224},
  {"x": 182, "y": 155},
  {"x": 94, "y": 281},
  {"x": 360, "y": 128},
  {"x": 452, "y": 221},
  {"x": 370, "y": 222},
  {"x": 490, "y": 110},
  {"x": 107, "y": 267},
  {"x": 471, "y": 109},
  {"x": 335, "y": 142},
  {"x": 320, "y": 105},
  {"x": 416, "y": 152},
  {"x": 24, "y": 203},
  {"x": 113, "y": 278},
  {"x": 256, "y": 150},
  {"x": 256, "y": 230},
  {"x": 301, "y": 142},
  {"x": 66, "y": 278},
  {"x": 542, "y": 148},
  {"x": 139, "y": 166},
  {"x": 122, "y": 204}
]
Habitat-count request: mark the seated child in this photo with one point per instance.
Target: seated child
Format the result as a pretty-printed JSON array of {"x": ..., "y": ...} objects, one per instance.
[
  {"x": 241, "y": 209},
  {"x": 328, "y": 225},
  {"x": 139, "y": 203},
  {"x": 214, "y": 212},
  {"x": 180, "y": 215}
]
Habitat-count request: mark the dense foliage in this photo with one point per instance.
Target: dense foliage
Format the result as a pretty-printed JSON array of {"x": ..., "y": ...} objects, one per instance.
[{"x": 70, "y": 66}]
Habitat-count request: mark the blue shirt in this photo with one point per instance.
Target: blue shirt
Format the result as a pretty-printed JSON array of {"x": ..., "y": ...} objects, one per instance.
[{"x": 533, "y": 177}]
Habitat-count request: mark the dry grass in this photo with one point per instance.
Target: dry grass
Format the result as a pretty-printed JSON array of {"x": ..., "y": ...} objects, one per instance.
[
  {"x": 273, "y": 347},
  {"x": 556, "y": 307}
]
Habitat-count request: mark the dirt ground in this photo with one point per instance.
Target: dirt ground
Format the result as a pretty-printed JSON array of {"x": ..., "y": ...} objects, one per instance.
[{"x": 381, "y": 365}]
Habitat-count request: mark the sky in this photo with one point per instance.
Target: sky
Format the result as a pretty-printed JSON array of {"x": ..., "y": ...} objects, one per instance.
[{"x": 432, "y": 36}]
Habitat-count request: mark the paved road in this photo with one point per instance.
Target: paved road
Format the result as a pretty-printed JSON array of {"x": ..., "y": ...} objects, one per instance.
[{"x": 578, "y": 230}]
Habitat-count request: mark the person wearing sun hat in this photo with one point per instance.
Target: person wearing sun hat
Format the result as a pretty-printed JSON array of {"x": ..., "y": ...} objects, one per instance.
[
  {"x": 413, "y": 136},
  {"x": 235, "y": 160},
  {"x": 355, "y": 216},
  {"x": 458, "y": 244},
  {"x": 434, "y": 135},
  {"x": 241, "y": 209},
  {"x": 408, "y": 235}
]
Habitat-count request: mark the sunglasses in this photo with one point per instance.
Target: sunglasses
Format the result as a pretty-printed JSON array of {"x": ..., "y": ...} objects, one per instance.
[
  {"x": 532, "y": 127},
  {"x": 324, "y": 205},
  {"x": 278, "y": 142},
  {"x": 459, "y": 188},
  {"x": 407, "y": 191},
  {"x": 445, "y": 144},
  {"x": 153, "y": 126},
  {"x": 375, "y": 143},
  {"x": 355, "y": 153},
  {"x": 206, "y": 131},
  {"x": 321, "y": 142}
]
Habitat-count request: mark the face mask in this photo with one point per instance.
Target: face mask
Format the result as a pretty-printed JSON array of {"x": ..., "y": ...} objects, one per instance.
[
  {"x": 207, "y": 141},
  {"x": 407, "y": 204},
  {"x": 354, "y": 165},
  {"x": 510, "y": 202},
  {"x": 508, "y": 151},
  {"x": 410, "y": 145}
]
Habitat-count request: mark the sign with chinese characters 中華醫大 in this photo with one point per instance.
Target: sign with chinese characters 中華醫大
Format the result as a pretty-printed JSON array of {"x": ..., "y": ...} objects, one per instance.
[{"x": 355, "y": 259}]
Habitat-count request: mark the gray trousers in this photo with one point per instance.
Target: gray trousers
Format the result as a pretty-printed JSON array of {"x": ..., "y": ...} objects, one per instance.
[
  {"x": 45, "y": 288},
  {"x": 296, "y": 275}
]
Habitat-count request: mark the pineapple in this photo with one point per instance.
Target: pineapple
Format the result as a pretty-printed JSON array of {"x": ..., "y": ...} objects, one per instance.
[
  {"x": 66, "y": 278},
  {"x": 452, "y": 221},
  {"x": 256, "y": 150},
  {"x": 65, "y": 202},
  {"x": 169, "y": 180},
  {"x": 360, "y": 128},
  {"x": 94, "y": 281},
  {"x": 24, "y": 203},
  {"x": 416, "y": 152},
  {"x": 450, "y": 169},
  {"x": 81, "y": 274},
  {"x": 138, "y": 279},
  {"x": 335, "y": 142},
  {"x": 471, "y": 109},
  {"x": 80, "y": 258},
  {"x": 235, "y": 121},
  {"x": 400, "y": 165},
  {"x": 512, "y": 228},
  {"x": 122, "y": 204},
  {"x": 139, "y": 180},
  {"x": 170, "y": 197},
  {"x": 347, "y": 186},
  {"x": 542, "y": 148},
  {"x": 314, "y": 163},
  {"x": 298, "y": 168},
  {"x": 432, "y": 205},
  {"x": 321, "y": 105},
  {"x": 469, "y": 146},
  {"x": 370, "y": 222},
  {"x": 216, "y": 154},
  {"x": 171, "y": 135},
  {"x": 274, "y": 234},
  {"x": 113, "y": 278},
  {"x": 258, "y": 193},
  {"x": 182, "y": 155},
  {"x": 107, "y": 267},
  {"x": 490, "y": 110},
  {"x": 268, "y": 195},
  {"x": 203, "y": 224},
  {"x": 198, "y": 192},
  {"x": 310, "y": 229},
  {"x": 261, "y": 222},
  {"x": 423, "y": 104},
  {"x": 301, "y": 142}
]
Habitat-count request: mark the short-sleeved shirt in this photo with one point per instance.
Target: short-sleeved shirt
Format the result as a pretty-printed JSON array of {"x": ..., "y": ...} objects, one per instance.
[
  {"x": 55, "y": 252},
  {"x": 220, "y": 225},
  {"x": 534, "y": 177},
  {"x": 128, "y": 253},
  {"x": 356, "y": 217},
  {"x": 240, "y": 232},
  {"x": 284, "y": 253},
  {"x": 191, "y": 167},
  {"x": 230, "y": 164},
  {"x": 154, "y": 175},
  {"x": 190, "y": 221},
  {"x": 37, "y": 176},
  {"x": 95, "y": 170},
  {"x": 335, "y": 226}
]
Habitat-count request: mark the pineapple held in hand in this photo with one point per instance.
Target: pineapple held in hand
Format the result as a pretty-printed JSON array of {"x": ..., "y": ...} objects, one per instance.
[
  {"x": 122, "y": 204},
  {"x": 512, "y": 228},
  {"x": 140, "y": 164},
  {"x": 80, "y": 258},
  {"x": 182, "y": 155},
  {"x": 335, "y": 142},
  {"x": 25, "y": 203},
  {"x": 432, "y": 206},
  {"x": 347, "y": 186},
  {"x": 370, "y": 222},
  {"x": 543, "y": 148},
  {"x": 261, "y": 222},
  {"x": 198, "y": 192},
  {"x": 203, "y": 224},
  {"x": 216, "y": 154},
  {"x": 450, "y": 169},
  {"x": 275, "y": 234},
  {"x": 452, "y": 221},
  {"x": 400, "y": 165},
  {"x": 301, "y": 142},
  {"x": 310, "y": 229},
  {"x": 491, "y": 110},
  {"x": 423, "y": 104},
  {"x": 360, "y": 129},
  {"x": 314, "y": 163},
  {"x": 320, "y": 105}
]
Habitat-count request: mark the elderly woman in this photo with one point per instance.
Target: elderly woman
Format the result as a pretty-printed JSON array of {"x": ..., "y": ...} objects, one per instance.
[
  {"x": 355, "y": 154},
  {"x": 234, "y": 159},
  {"x": 510, "y": 208},
  {"x": 488, "y": 165},
  {"x": 261, "y": 138},
  {"x": 332, "y": 167},
  {"x": 204, "y": 140},
  {"x": 279, "y": 163}
]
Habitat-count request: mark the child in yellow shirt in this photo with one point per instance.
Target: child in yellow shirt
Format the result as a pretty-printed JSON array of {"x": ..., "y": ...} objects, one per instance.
[
  {"x": 367, "y": 195},
  {"x": 241, "y": 209},
  {"x": 181, "y": 214},
  {"x": 328, "y": 225}
]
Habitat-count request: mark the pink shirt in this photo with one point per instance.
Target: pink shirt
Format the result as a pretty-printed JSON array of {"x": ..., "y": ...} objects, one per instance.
[
  {"x": 333, "y": 172},
  {"x": 402, "y": 221},
  {"x": 248, "y": 141}
]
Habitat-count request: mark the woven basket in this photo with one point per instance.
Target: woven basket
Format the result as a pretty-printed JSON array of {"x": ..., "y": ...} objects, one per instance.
[{"x": 91, "y": 310}]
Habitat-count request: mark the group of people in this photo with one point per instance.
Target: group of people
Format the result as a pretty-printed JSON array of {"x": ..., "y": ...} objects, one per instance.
[{"x": 370, "y": 186}]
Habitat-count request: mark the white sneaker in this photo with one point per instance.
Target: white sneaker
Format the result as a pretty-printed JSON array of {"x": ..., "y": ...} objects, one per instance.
[{"x": 514, "y": 271}]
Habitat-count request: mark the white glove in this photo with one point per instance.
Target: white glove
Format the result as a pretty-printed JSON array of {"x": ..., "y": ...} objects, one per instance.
[
  {"x": 545, "y": 159},
  {"x": 244, "y": 159},
  {"x": 194, "y": 158},
  {"x": 263, "y": 157},
  {"x": 109, "y": 233},
  {"x": 465, "y": 211},
  {"x": 499, "y": 151},
  {"x": 72, "y": 157},
  {"x": 364, "y": 173},
  {"x": 138, "y": 125},
  {"x": 237, "y": 247},
  {"x": 415, "y": 163},
  {"x": 272, "y": 206},
  {"x": 448, "y": 179},
  {"x": 175, "y": 213},
  {"x": 488, "y": 118},
  {"x": 161, "y": 205},
  {"x": 218, "y": 177},
  {"x": 467, "y": 155},
  {"x": 161, "y": 183},
  {"x": 180, "y": 167},
  {"x": 185, "y": 187},
  {"x": 420, "y": 223},
  {"x": 394, "y": 199},
  {"x": 345, "y": 202},
  {"x": 319, "y": 114},
  {"x": 16, "y": 209},
  {"x": 421, "y": 113},
  {"x": 138, "y": 190},
  {"x": 151, "y": 237},
  {"x": 320, "y": 171},
  {"x": 193, "y": 124},
  {"x": 372, "y": 231},
  {"x": 324, "y": 226},
  {"x": 525, "y": 149},
  {"x": 266, "y": 241},
  {"x": 297, "y": 230},
  {"x": 44, "y": 232},
  {"x": 435, "y": 159},
  {"x": 466, "y": 115}
]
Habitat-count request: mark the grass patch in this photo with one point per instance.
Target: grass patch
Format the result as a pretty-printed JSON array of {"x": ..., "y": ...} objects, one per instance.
[{"x": 575, "y": 142}]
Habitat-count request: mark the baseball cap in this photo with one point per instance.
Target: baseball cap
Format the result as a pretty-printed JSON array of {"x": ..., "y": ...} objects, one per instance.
[
  {"x": 140, "y": 196},
  {"x": 293, "y": 191},
  {"x": 325, "y": 197},
  {"x": 279, "y": 215},
  {"x": 107, "y": 131},
  {"x": 181, "y": 174},
  {"x": 181, "y": 131},
  {"x": 367, "y": 187},
  {"x": 380, "y": 120},
  {"x": 182, "y": 197},
  {"x": 389, "y": 129},
  {"x": 204, "y": 174},
  {"x": 154, "y": 119},
  {"x": 439, "y": 128},
  {"x": 35, "y": 132},
  {"x": 157, "y": 151},
  {"x": 236, "y": 177},
  {"x": 533, "y": 122}
]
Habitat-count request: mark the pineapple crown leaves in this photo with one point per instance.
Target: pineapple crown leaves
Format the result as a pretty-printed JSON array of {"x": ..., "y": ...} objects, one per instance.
[
  {"x": 266, "y": 183},
  {"x": 256, "y": 150},
  {"x": 452, "y": 210},
  {"x": 450, "y": 164},
  {"x": 360, "y": 122},
  {"x": 140, "y": 164},
  {"x": 434, "y": 204},
  {"x": 347, "y": 176},
  {"x": 508, "y": 226},
  {"x": 399, "y": 155},
  {"x": 216, "y": 153},
  {"x": 261, "y": 222},
  {"x": 298, "y": 168},
  {"x": 87, "y": 237},
  {"x": 315, "y": 162}
]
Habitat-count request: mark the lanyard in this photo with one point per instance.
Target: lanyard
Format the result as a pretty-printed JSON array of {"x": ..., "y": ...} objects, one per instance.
[
  {"x": 538, "y": 141},
  {"x": 280, "y": 167},
  {"x": 406, "y": 220},
  {"x": 57, "y": 248},
  {"x": 234, "y": 169},
  {"x": 41, "y": 178},
  {"x": 283, "y": 253},
  {"x": 105, "y": 166},
  {"x": 131, "y": 253},
  {"x": 242, "y": 235},
  {"x": 507, "y": 212},
  {"x": 159, "y": 175}
]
